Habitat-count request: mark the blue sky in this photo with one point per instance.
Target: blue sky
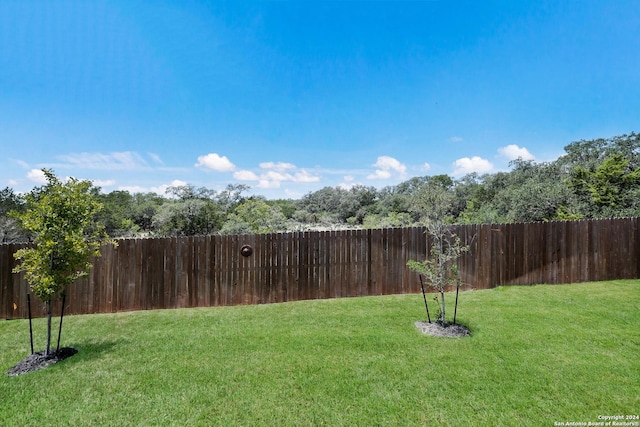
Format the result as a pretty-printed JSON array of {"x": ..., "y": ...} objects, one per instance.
[{"x": 290, "y": 97}]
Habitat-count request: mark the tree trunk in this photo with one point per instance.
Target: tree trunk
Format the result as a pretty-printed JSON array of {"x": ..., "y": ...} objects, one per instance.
[
  {"x": 442, "y": 274},
  {"x": 48, "y": 350},
  {"x": 64, "y": 298}
]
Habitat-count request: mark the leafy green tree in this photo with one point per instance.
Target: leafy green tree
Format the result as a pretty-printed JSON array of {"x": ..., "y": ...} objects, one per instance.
[
  {"x": 255, "y": 216},
  {"x": 323, "y": 204},
  {"x": 536, "y": 192},
  {"x": 589, "y": 154},
  {"x": 145, "y": 207},
  {"x": 392, "y": 219},
  {"x": 611, "y": 186},
  {"x": 601, "y": 175},
  {"x": 10, "y": 201},
  {"x": 465, "y": 189},
  {"x": 480, "y": 213},
  {"x": 288, "y": 207},
  {"x": 440, "y": 268},
  {"x": 432, "y": 202},
  {"x": 196, "y": 210},
  {"x": 529, "y": 192},
  {"x": 392, "y": 201},
  {"x": 343, "y": 205},
  {"x": 357, "y": 202},
  {"x": 10, "y": 230},
  {"x": 188, "y": 217},
  {"x": 61, "y": 216},
  {"x": 117, "y": 214},
  {"x": 186, "y": 192},
  {"x": 231, "y": 196},
  {"x": 411, "y": 185}
]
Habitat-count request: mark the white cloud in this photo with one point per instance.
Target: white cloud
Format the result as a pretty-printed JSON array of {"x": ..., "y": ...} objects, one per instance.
[
  {"x": 386, "y": 166},
  {"x": 280, "y": 166},
  {"x": 467, "y": 165},
  {"x": 123, "y": 160},
  {"x": 215, "y": 162},
  {"x": 245, "y": 175},
  {"x": 162, "y": 189},
  {"x": 12, "y": 182},
  {"x": 456, "y": 139},
  {"x": 22, "y": 164},
  {"x": 37, "y": 176},
  {"x": 265, "y": 183},
  {"x": 513, "y": 152},
  {"x": 387, "y": 163},
  {"x": 348, "y": 182},
  {"x": 103, "y": 182},
  {"x": 274, "y": 173},
  {"x": 156, "y": 158},
  {"x": 380, "y": 174},
  {"x": 178, "y": 183},
  {"x": 276, "y": 176},
  {"x": 305, "y": 176},
  {"x": 426, "y": 167}
]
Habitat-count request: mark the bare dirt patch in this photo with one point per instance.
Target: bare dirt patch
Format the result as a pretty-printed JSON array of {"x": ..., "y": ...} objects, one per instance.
[
  {"x": 40, "y": 360},
  {"x": 448, "y": 330}
]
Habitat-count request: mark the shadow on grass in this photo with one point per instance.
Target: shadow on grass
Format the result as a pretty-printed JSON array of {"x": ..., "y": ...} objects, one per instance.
[{"x": 93, "y": 350}]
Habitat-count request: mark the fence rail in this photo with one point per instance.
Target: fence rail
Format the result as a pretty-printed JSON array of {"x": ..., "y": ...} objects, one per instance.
[{"x": 142, "y": 274}]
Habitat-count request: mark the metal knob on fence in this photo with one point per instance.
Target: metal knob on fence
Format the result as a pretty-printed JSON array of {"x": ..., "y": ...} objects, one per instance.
[{"x": 246, "y": 250}]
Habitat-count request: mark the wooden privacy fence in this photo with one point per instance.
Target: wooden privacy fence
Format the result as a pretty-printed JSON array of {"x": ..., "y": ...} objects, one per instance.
[{"x": 142, "y": 274}]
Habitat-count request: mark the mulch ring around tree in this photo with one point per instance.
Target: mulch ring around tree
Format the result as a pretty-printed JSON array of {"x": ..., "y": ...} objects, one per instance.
[
  {"x": 40, "y": 360},
  {"x": 448, "y": 330}
]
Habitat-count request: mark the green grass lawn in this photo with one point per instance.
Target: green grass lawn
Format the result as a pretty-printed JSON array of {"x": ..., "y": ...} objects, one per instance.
[{"x": 537, "y": 355}]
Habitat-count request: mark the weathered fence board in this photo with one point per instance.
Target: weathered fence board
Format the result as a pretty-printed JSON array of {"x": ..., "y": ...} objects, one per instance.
[{"x": 141, "y": 274}]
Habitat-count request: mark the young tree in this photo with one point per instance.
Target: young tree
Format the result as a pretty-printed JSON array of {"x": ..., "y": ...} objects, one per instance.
[
  {"x": 433, "y": 201},
  {"x": 61, "y": 216}
]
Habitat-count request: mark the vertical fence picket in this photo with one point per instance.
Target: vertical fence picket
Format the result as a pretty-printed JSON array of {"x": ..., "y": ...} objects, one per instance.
[
  {"x": 214, "y": 270},
  {"x": 6, "y": 279},
  {"x": 315, "y": 284},
  {"x": 302, "y": 265},
  {"x": 260, "y": 270},
  {"x": 349, "y": 264},
  {"x": 333, "y": 278},
  {"x": 636, "y": 246},
  {"x": 282, "y": 255},
  {"x": 226, "y": 289},
  {"x": 344, "y": 281},
  {"x": 293, "y": 277}
]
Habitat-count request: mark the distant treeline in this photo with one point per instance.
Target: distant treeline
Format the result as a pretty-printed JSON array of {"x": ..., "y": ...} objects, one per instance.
[{"x": 597, "y": 178}]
